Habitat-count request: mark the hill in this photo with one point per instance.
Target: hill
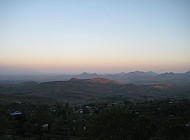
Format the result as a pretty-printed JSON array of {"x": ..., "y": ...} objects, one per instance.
[
  {"x": 137, "y": 77},
  {"x": 93, "y": 90}
]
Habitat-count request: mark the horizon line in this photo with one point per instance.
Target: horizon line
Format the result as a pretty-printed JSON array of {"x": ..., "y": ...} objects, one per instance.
[{"x": 85, "y": 72}]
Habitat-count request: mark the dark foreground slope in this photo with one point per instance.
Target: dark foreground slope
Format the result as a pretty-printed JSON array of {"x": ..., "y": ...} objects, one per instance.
[{"x": 151, "y": 120}]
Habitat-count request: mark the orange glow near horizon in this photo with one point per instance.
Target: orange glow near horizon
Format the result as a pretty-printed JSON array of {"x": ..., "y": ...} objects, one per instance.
[{"x": 99, "y": 67}]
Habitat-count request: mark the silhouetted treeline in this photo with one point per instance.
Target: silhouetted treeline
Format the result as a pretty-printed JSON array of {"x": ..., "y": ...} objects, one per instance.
[{"x": 151, "y": 120}]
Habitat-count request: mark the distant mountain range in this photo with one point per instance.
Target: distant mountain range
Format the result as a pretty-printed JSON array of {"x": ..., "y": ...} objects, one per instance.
[
  {"x": 103, "y": 89},
  {"x": 137, "y": 77}
]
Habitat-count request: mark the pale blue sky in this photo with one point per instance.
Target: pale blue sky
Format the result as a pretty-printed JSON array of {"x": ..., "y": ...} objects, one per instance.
[{"x": 95, "y": 35}]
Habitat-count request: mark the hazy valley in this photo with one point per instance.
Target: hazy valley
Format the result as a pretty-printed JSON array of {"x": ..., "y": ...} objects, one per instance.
[{"x": 86, "y": 87}]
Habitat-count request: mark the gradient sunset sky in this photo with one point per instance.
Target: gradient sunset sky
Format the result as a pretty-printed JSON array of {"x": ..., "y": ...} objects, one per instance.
[{"x": 102, "y": 36}]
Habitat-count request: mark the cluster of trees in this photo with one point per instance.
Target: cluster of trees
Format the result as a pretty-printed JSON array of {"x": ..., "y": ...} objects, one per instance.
[
  {"x": 154, "y": 120},
  {"x": 159, "y": 120}
]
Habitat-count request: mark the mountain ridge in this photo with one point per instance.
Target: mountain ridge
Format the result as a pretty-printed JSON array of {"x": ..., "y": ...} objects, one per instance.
[
  {"x": 92, "y": 89},
  {"x": 138, "y": 77}
]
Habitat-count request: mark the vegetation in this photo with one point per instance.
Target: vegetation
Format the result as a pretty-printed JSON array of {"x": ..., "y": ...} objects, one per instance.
[{"x": 154, "y": 120}]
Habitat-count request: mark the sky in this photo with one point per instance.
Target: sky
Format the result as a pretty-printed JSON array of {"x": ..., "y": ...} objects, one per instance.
[{"x": 102, "y": 36}]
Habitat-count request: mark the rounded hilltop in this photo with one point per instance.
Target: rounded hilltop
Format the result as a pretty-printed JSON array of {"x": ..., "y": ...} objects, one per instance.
[
  {"x": 104, "y": 81},
  {"x": 95, "y": 80}
]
